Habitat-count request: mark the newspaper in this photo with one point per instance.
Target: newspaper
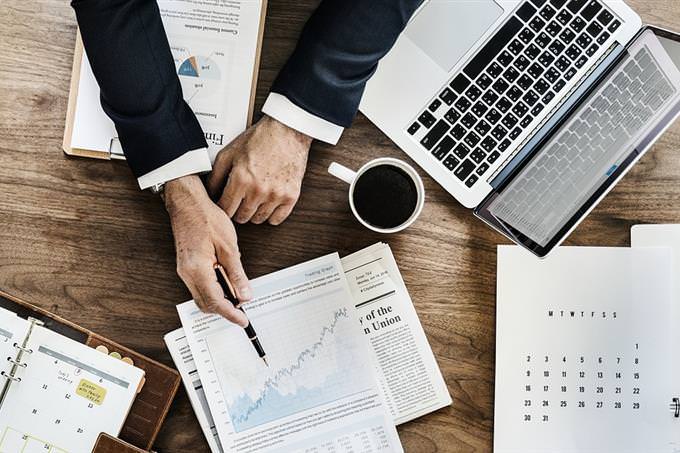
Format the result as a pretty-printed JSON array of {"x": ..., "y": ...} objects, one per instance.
[{"x": 408, "y": 377}]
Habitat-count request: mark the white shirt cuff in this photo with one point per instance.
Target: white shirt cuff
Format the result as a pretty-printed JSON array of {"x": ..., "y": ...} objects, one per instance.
[
  {"x": 189, "y": 163},
  {"x": 281, "y": 109}
]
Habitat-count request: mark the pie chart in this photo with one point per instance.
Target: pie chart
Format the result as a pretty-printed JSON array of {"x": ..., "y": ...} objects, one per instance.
[{"x": 199, "y": 66}]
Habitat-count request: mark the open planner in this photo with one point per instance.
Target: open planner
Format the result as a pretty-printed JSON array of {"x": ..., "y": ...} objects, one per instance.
[
  {"x": 587, "y": 350},
  {"x": 58, "y": 395}
]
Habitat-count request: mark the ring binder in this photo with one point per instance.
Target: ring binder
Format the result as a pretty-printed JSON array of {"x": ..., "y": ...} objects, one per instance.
[
  {"x": 21, "y": 364},
  {"x": 11, "y": 378},
  {"x": 21, "y": 348},
  {"x": 16, "y": 362}
]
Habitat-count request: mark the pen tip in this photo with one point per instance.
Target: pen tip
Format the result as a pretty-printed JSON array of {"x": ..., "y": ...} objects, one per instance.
[{"x": 265, "y": 361}]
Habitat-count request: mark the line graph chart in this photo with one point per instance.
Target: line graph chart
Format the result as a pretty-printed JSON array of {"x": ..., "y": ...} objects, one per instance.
[{"x": 312, "y": 352}]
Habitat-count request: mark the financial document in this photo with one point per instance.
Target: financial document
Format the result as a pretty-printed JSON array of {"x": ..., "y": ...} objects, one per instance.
[
  {"x": 215, "y": 48},
  {"x": 319, "y": 392}
]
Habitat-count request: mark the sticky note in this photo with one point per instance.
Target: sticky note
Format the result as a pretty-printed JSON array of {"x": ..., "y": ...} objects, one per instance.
[{"x": 91, "y": 391}]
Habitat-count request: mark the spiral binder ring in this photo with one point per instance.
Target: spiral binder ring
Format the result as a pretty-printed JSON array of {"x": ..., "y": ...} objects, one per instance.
[
  {"x": 16, "y": 362},
  {"x": 11, "y": 378},
  {"x": 20, "y": 348}
]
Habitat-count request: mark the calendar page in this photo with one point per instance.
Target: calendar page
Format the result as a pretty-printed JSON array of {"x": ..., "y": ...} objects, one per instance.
[
  {"x": 12, "y": 330},
  {"x": 68, "y": 394},
  {"x": 584, "y": 352}
]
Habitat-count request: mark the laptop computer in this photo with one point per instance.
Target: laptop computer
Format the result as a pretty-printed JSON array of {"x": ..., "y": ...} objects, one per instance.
[{"x": 529, "y": 111}]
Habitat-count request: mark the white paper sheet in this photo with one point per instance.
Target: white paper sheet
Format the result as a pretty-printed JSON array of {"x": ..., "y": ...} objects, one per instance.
[{"x": 584, "y": 351}]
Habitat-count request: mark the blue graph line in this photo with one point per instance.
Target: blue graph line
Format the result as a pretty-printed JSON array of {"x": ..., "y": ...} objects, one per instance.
[{"x": 272, "y": 382}]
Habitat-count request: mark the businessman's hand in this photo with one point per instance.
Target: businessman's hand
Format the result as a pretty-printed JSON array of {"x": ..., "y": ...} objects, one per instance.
[
  {"x": 258, "y": 176},
  {"x": 204, "y": 236}
]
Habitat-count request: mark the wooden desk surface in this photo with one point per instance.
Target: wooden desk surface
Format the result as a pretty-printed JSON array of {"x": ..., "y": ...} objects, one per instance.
[{"x": 77, "y": 236}]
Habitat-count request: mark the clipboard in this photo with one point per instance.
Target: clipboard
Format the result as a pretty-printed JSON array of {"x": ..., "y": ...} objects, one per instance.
[
  {"x": 115, "y": 150},
  {"x": 153, "y": 401}
]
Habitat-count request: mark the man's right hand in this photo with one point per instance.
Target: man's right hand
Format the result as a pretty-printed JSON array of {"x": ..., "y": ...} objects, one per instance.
[{"x": 204, "y": 236}]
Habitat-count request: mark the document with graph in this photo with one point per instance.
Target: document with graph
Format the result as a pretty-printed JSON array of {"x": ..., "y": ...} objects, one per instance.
[
  {"x": 407, "y": 370},
  {"x": 58, "y": 395},
  {"x": 319, "y": 393},
  {"x": 215, "y": 47}
]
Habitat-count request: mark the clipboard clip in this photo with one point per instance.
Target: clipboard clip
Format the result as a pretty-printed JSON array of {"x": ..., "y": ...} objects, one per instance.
[{"x": 675, "y": 407}]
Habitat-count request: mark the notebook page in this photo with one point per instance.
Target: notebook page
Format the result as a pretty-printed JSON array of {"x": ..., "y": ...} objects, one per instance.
[
  {"x": 583, "y": 351},
  {"x": 68, "y": 394},
  {"x": 12, "y": 330}
]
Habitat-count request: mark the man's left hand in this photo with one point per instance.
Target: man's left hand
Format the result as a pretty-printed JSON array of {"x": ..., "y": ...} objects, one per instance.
[{"x": 258, "y": 176}]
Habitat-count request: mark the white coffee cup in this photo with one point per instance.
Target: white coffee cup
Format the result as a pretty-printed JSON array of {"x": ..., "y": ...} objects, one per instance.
[{"x": 351, "y": 177}]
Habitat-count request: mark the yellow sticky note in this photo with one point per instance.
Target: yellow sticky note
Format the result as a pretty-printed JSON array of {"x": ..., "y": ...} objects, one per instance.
[{"x": 91, "y": 391}]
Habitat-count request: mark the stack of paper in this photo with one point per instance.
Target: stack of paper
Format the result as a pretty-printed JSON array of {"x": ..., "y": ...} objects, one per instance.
[{"x": 347, "y": 356}]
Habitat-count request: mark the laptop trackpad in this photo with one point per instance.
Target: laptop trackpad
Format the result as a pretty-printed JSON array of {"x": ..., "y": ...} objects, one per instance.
[{"x": 446, "y": 29}]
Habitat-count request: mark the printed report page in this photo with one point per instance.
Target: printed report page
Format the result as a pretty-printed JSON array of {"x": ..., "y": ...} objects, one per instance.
[{"x": 319, "y": 393}]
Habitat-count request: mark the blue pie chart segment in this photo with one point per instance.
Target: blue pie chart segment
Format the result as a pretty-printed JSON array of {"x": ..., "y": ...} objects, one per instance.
[{"x": 199, "y": 66}]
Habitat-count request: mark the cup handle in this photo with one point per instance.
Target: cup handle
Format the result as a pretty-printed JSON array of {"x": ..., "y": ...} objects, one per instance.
[{"x": 342, "y": 172}]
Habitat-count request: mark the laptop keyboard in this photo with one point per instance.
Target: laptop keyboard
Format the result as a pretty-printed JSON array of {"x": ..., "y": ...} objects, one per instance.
[
  {"x": 587, "y": 149},
  {"x": 502, "y": 90}
]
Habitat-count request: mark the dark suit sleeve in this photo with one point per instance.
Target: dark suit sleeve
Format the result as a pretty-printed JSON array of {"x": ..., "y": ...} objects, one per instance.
[
  {"x": 338, "y": 51},
  {"x": 129, "y": 53}
]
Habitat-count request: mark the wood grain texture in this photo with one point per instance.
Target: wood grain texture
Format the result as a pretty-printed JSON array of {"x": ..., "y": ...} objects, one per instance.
[{"x": 77, "y": 236}]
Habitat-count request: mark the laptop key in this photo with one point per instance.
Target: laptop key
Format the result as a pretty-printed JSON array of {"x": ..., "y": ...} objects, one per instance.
[
  {"x": 435, "y": 105},
  {"x": 575, "y": 5},
  {"x": 521, "y": 63},
  {"x": 482, "y": 128},
  {"x": 503, "y": 105},
  {"x": 538, "y": 108},
  {"x": 482, "y": 169},
  {"x": 562, "y": 63},
  {"x": 443, "y": 147},
  {"x": 546, "y": 59},
  {"x": 478, "y": 156},
  {"x": 564, "y": 17},
  {"x": 558, "y": 3},
  {"x": 471, "y": 180},
  {"x": 464, "y": 170},
  {"x": 614, "y": 26},
  {"x": 553, "y": 28},
  {"x": 535, "y": 70},
  {"x": 543, "y": 40},
  {"x": 592, "y": 50},
  {"x": 526, "y": 121},
  {"x": 505, "y": 58},
  {"x": 505, "y": 144},
  {"x": 451, "y": 162},
  {"x": 435, "y": 134},
  {"x": 479, "y": 108},
  {"x": 594, "y": 29},
  {"x": 603, "y": 38},
  {"x": 500, "y": 86},
  {"x": 452, "y": 116},
  {"x": 591, "y": 10},
  {"x": 462, "y": 104},
  {"x": 458, "y": 131},
  {"x": 426, "y": 119},
  {"x": 484, "y": 81},
  {"x": 448, "y": 96},
  {"x": 493, "y": 116},
  {"x": 461, "y": 151},
  {"x": 538, "y": 3},
  {"x": 494, "y": 70},
  {"x": 509, "y": 120},
  {"x": 515, "y": 47},
  {"x": 471, "y": 139},
  {"x": 499, "y": 132},
  {"x": 578, "y": 23},
  {"x": 493, "y": 157},
  {"x": 605, "y": 17},
  {"x": 537, "y": 24},
  {"x": 526, "y": 11},
  {"x": 514, "y": 93},
  {"x": 460, "y": 83},
  {"x": 570, "y": 73},
  {"x": 549, "y": 96},
  {"x": 515, "y": 133},
  {"x": 547, "y": 12},
  {"x": 488, "y": 144},
  {"x": 511, "y": 74},
  {"x": 584, "y": 40},
  {"x": 559, "y": 85},
  {"x": 482, "y": 59},
  {"x": 541, "y": 86},
  {"x": 490, "y": 97},
  {"x": 473, "y": 93},
  {"x": 525, "y": 82},
  {"x": 573, "y": 52},
  {"x": 551, "y": 75},
  {"x": 532, "y": 51},
  {"x": 567, "y": 35},
  {"x": 526, "y": 36},
  {"x": 520, "y": 109},
  {"x": 413, "y": 128},
  {"x": 530, "y": 98},
  {"x": 468, "y": 120},
  {"x": 556, "y": 47}
]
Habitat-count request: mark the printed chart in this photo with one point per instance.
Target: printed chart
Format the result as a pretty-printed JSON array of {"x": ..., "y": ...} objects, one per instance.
[{"x": 309, "y": 367}]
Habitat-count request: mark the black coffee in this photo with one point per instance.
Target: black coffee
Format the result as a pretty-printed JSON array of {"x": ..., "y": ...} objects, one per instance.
[{"x": 385, "y": 196}]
